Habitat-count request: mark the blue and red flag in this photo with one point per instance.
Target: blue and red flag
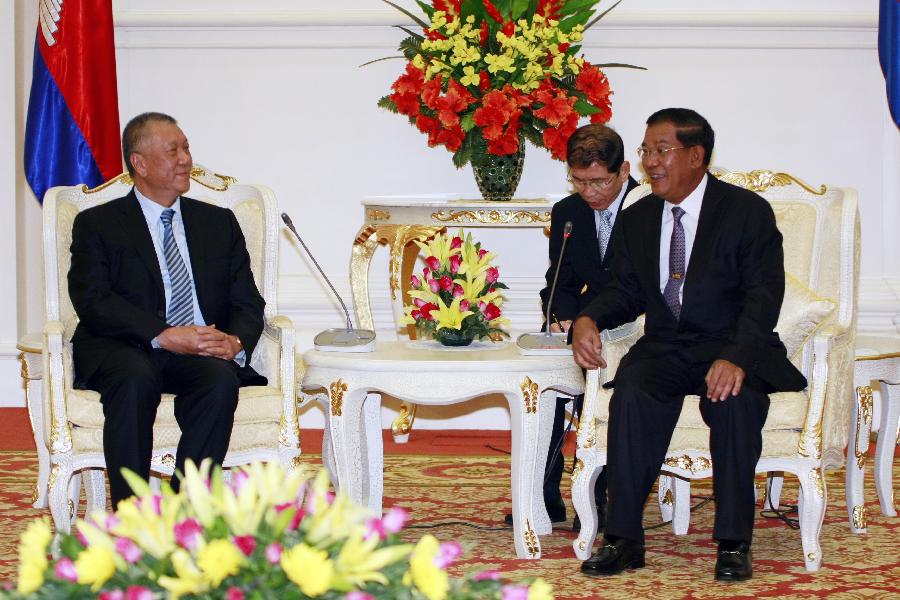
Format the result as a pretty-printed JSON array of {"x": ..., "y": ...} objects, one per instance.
[
  {"x": 72, "y": 131},
  {"x": 889, "y": 52}
]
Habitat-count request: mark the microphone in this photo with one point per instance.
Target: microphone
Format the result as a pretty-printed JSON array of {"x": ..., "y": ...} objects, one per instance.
[
  {"x": 547, "y": 342},
  {"x": 336, "y": 340}
]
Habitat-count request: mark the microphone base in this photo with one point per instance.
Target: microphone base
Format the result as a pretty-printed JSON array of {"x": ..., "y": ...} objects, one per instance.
[
  {"x": 345, "y": 340},
  {"x": 540, "y": 343}
]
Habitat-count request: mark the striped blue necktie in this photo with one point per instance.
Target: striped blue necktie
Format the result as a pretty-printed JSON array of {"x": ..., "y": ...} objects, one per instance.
[{"x": 181, "y": 305}]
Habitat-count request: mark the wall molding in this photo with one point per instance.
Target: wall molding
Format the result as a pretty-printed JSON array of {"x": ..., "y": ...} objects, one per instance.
[{"x": 373, "y": 29}]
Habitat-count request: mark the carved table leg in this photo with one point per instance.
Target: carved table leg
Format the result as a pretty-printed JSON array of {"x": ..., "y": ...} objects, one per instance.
[
  {"x": 360, "y": 258},
  {"x": 884, "y": 448},
  {"x": 860, "y": 428}
]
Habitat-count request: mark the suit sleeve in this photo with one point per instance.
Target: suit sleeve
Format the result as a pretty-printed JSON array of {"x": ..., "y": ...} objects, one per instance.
[
  {"x": 623, "y": 299},
  {"x": 761, "y": 264},
  {"x": 246, "y": 318},
  {"x": 565, "y": 299},
  {"x": 100, "y": 309}
]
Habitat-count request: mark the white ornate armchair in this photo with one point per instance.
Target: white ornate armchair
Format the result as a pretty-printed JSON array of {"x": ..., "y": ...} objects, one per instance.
[
  {"x": 805, "y": 432},
  {"x": 265, "y": 425}
]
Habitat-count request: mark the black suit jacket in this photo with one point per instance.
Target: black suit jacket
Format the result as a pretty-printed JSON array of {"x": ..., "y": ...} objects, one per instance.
[
  {"x": 581, "y": 274},
  {"x": 732, "y": 292},
  {"x": 117, "y": 290}
]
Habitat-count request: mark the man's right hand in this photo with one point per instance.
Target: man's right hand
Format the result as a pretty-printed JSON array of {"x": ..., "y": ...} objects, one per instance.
[
  {"x": 183, "y": 340},
  {"x": 586, "y": 344},
  {"x": 561, "y": 326}
]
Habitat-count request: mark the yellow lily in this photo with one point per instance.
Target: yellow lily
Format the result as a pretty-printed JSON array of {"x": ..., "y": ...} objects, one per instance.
[{"x": 450, "y": 316}]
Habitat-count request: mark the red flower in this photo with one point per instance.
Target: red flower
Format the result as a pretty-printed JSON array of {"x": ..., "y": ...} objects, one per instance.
[
  {"x": 495, "y": 112},
  {"x": 455, "y": 262},
  {"x": 484, "y": 82},
  {"x": 451, "y": 138},
  {"x": 234, "y": 593},
  {"x": 433, "y": 263},
  {"x": 431, "y": 34},
  {"x": 457, "y": 290},
  {"x": 492, "y": 11},
  {"x": 431, "y": 91},
  {"x": 491, "y": 311},
  {"x": 563, "y": 47},
  {"x": 456, "y": 100},
  {"x": 456, "y": 242},
  {"x": 464, "y": 305},
  {"x": 549, "y": 8},
  {"x": 430, "y": 126},
  {"x": 446, "y": 283},
  {"x": 594, "y": 84},
  {"x": 245, "y": 543},
  {"x": 556, "y": 109},
  {"x": 508, "y": 143},
  {"x": 556, "y": 138},
  {"x": 509, "y": 28},
  {"x": 483, "y": 38},
  {"x": 482, "y": 252},
  {"x": 410, "y": 82},
  {"x": 426, "y": 310},
  {"x": 492, "y": 275},
  {"x": 407, "y": 104},
  {"x": 520, "y": 98}
]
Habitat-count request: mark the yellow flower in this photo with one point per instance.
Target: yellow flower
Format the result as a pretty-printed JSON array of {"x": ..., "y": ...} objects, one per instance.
[
  {"x": 470, "y": 77},
  {"x": 33, "y": 555},
  {"x": 499, "y": 62},
  {"x": 219, "y": 559},
  {"x": 310, "y": 568},
  {"x": 423, "y": 573},
  {"x": 188, "y": 579},
  {"x": 95, "y": 565},
  {"x": 359, "y": 562},
  {"x": 450, "y": 316},
  {"x": 540, "y": 590}
]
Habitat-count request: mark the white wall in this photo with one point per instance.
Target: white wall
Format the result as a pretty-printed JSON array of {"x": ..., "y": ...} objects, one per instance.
[{"x": 274, "y": 94}]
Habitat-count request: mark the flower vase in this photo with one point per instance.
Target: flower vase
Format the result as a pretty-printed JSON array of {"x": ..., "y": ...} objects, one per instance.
[
  {"x": 453, "y": 337},
  {"x": 498, "y": 176}
]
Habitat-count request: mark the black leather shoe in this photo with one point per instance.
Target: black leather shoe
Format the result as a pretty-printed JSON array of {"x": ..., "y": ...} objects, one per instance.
[
  {"x": 556, "y": 510},
  {"x": 601, "y": 520},
  {"x": 614, "y": 557},
  {"x": 735, "y": 562}
]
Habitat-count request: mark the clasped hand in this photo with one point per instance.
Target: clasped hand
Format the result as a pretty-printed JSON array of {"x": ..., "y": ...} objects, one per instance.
[{"x": 202, "y": 340}]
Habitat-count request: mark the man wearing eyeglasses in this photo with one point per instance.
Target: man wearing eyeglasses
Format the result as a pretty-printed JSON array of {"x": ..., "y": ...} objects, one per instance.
[
  {"x": 703, "y": 260},
  {"x": 599, "y": 175}
]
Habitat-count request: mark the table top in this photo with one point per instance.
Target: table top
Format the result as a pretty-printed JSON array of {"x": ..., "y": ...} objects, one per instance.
[
  {"x": 877, "y": 347},
  {"x": 429, "y": 355}
]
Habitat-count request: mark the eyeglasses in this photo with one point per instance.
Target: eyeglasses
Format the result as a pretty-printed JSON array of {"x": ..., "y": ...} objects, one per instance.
[
  {"x": 648, "y": 153},
  {"x": 595, "y": 184}
]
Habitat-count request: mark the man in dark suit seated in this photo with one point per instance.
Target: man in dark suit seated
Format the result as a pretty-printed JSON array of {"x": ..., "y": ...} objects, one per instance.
[
  {"x": 167, "y": 304},
  {"x": 600, "y": 177},
  {"x": 703, "y": 260}
]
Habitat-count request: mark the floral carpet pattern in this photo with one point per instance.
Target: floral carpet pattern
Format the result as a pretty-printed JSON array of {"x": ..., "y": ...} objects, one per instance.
[{"x": 465, "y": 499}]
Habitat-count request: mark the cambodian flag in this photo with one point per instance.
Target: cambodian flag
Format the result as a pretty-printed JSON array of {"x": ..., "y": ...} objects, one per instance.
[
  {"x": 72, "y": 132},
  {"x": 889, "y": 52}
]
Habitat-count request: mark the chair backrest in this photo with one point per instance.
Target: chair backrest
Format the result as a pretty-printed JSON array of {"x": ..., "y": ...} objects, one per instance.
[{"x": 253, "y": 205}]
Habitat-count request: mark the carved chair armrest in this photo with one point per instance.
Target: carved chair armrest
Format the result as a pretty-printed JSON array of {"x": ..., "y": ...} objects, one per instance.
[
  {"x": 54, "y": 389},
  {"x": 829, "y": 382}
]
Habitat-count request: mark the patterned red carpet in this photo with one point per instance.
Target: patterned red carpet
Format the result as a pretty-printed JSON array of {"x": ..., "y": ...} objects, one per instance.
[{"x": 464, "y": 498}]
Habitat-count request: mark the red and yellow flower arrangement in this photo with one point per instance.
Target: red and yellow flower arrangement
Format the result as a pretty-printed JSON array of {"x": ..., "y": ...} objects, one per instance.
[{"x": 485, "y": 75}]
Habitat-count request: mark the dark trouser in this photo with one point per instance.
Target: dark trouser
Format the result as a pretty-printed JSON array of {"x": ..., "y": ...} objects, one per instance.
[
  {"x": 644, "y": 409},
  {"x": 130, "y": 382},
  {"x": 556, "y": 460}
]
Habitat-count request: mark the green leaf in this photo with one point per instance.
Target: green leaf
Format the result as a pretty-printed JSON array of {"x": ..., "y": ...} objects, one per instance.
[
  {"x": 410, "y": 32},
  {"x": 416, "y": 19},
  {"x": 585, "y": 108},
  {"x": 573, "y": 6},
  {"x": 467, "y": 121},
  {"x": 426, "y": 8},
  {"x": 70, "y": 546},
  {"x": 519, "y": 7},
  {"x": 464, "y": 155},
  {"x": 388, "y": 104},
  {"x": 365, "y": 64},
  {"x": 620, "y": 65},
  {"x": 601, "y": 15},
  {"x": 579, "y": 18}
]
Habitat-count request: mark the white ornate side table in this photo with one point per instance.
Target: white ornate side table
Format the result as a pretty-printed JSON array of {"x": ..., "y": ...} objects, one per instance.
[
  {"x": 421, "y": 372},
  {"x": 877, "y": 359},
  {"x": 395, "y": 221}
]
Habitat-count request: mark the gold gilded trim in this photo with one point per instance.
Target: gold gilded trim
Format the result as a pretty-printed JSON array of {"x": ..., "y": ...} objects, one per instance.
[
  {"x": 885, "y": 356},
  {"x": 491, "y": 217},
  {"x": 531, "y": 541},
  {"x": 591, "y": 435},
  {"x": 374, "y": 214},
  {"x": 404, "y": 235},
  {"x": 760, "y": 180},
  {"x": 403, "y": 423},
  {"x": 581, "y": 544},
  {"x": 668, "y": 499},
  {"x": 196, "y": 174},
  {"x": 576, "y": 469},
  {"x": 53, "y": 476},
  {"x": 124, "y": 178},
  {"x": 685, "y": 462},
  {"x": 337, "y": 389},
  {"x": 529, "y": 394},
  {"x": 863, "y": 416},
  {"x": 816, "y": 477},
  {"x": 859, "y": 516}
]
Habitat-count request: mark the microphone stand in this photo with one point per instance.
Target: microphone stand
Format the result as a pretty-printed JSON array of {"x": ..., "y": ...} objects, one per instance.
[
  {"x": 547, "y": 342},
  {"x": 348, "y": 339}
]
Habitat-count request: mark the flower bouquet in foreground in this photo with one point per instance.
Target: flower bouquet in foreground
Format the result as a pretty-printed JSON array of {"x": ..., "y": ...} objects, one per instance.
[
  {"x": 263, "y": 534},
  {"x": 485, "y": 75},
  {"x": 457, "y": 298}
]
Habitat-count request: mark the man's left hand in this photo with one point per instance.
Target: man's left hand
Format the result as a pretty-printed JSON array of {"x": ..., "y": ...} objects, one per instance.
[
  {"x": 219, "y": 344},
  {"x": 724, "y": 378}
]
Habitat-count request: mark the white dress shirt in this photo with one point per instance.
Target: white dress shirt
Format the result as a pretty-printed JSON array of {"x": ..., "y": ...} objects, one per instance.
[
  {"x": 691, "y": 207},
  {"x": 613, "y": 210}
]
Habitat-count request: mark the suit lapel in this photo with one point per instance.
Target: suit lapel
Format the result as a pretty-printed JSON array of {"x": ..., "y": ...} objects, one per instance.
[
  {"x": 651, "y": 247},
  {"x": 705, "y": 238},
  {"x": 193, "y": 233},
  {"x": 134, "y": 222}
]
